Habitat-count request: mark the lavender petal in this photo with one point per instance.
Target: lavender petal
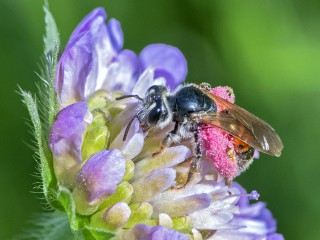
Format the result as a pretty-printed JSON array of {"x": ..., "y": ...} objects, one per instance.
[
  {"x": 144, "y": 232},
  {"x": 71, "y": 73},
  {"x": 65, "y": 140},
  {"x": 88, "y": 57},
  {"x": 115, "y": 34},
  {"x": 167, "y": 61},
  {"x": 133, "y": 144},
  {"x": 100, "y": 175},
  {"x": 85, "y": 25},
  {"x": 275, "y": 236},
  {"x": 122, "y": 72}
]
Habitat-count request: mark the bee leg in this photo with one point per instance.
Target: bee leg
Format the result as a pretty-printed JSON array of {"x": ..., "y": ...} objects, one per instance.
[
  {"x": 228, "y": 183},
  {"x": 195, "y": 161},
  {"x": 170, "y": 138}
]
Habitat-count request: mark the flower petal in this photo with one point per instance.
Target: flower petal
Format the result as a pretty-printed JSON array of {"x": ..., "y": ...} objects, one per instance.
[
  {"x": 88, "y": 57},
  {"x": 65, "y": 140},
  {"x": 170, "y": 157},
  {"x": 71, "y": 73},
  {"x": 99, "y": 177},
  {"x": 156, "y": 182},
  {"x": 275, "y": 236},
  {"x": 212, "y": 218},
  {"x": 182, "y": 206},
  {"x": 167, "y": 61},
  {"x": 115, "y": 33},
  {"x": 144, "y": 232},
  {"x": 145, "y": 81},
  {"x": 133, "y": 144},
  {"x": 253, "y": 222},
  {"x": 165, "y": 220},
  {"x": 122, "y": 72},
  {"x": 85, "y": 25}
]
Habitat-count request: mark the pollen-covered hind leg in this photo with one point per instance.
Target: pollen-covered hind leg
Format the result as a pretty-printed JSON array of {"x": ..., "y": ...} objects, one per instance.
[{"x": 170, "y": 138}]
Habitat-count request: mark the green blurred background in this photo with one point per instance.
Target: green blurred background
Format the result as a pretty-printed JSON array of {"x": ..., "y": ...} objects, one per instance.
[{"x": 268, "y": 51}]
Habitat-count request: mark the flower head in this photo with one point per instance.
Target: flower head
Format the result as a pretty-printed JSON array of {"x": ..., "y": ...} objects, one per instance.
[
  {"x": 113, "y": 186},
  {"x": 254, "y": 221}
]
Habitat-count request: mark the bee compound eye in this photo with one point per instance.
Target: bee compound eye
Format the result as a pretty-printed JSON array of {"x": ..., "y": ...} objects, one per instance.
[{"x": 154, "y": 116}]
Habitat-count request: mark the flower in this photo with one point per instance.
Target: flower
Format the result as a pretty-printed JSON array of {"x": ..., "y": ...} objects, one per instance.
[
  {"x": 94, "y": 60},
  {"x": 115, "y": 187},
  {"x": 254, "y": 221}
]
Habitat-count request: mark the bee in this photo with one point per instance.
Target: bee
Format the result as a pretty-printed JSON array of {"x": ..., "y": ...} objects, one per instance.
[{"x": 194, "y": 106}]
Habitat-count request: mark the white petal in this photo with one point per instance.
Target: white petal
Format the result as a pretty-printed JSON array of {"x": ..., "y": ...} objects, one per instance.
[
  {"x": 196, "y": 234},
  {"x": 182, "y": 206},
  {"x": 170, "y": 157},
  {"x": 145, "y": 189},
  {"x": 145, "y": 81},
  {"x": 133, "y": 145},
  {"x": 165, "y": 220}
]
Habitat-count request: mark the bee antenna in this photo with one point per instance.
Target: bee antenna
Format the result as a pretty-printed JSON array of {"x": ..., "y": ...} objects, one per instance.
[
  {"x": 129, "y": 96},
  {"x": 127, "y": 129},
  {"x": 129, "y": 125}
]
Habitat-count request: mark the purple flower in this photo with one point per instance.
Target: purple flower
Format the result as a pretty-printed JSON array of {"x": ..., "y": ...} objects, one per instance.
[
  {"x": 254, "y": 221},
  {"x": 118, "y": 186},
  {"x": 94, "y": 60}
]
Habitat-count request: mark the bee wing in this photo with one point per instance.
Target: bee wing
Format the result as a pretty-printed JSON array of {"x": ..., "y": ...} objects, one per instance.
[{"x": 243, "y": 125}]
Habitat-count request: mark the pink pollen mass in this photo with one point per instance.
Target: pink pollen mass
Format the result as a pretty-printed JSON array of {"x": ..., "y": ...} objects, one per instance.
[
  {"x": 224, "y": 92},
  {"x": 216, "y": 143}
]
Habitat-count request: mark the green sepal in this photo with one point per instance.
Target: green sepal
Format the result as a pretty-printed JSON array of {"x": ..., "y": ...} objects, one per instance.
[
  {"x": 152, "y": 222},
  {"x": 182, "y": 224},
  {"x": 129, "y": 170},
  {"x": 123, "y": 194},
  {"x": 43, "y": 116},
  {"x": 100, "y": 100},
  {"x": 97, "y": 136},
  {"x": 113, "y": 218},
  {"x": 43, "y": 154},
  {"x": 51, "y": 50},
  {"x": 140, "y": 213},
  {"x": 77, "y": 222},
  {"x": 52, "y": 38}
]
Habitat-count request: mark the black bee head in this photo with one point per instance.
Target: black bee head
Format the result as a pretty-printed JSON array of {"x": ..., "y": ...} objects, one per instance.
[{"x": 154, "y": 108}]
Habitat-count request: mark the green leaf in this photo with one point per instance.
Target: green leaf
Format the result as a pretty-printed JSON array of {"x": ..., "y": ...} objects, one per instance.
[
  {"x": 51, "y": 39},
  {"x": 45, "y": 164},
  {"x": 49, "y": 226}
]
